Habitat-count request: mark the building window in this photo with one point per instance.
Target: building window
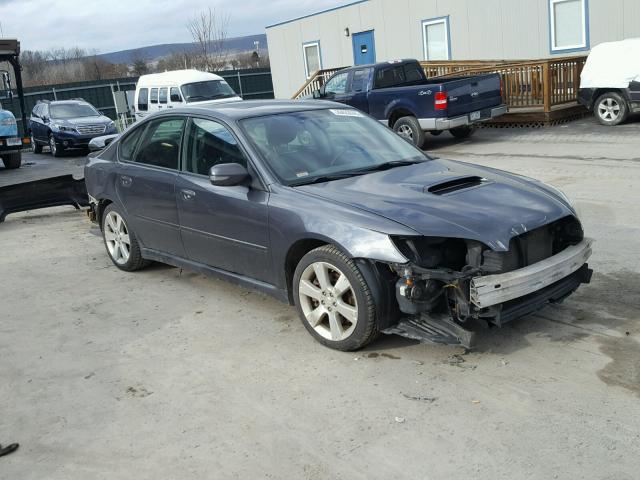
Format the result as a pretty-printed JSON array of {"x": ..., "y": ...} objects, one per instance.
[
  {"x": 568, "y": 25},
  {"x": 312, "y": 58},
  {"x": 436, "y": 39}
]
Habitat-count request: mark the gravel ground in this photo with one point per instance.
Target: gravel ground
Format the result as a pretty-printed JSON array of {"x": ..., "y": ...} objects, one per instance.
[{"x": 167, "y": 374}]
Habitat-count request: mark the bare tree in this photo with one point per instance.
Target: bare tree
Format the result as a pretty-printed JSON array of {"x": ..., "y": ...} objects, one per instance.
[{"x": 209, "y": 32}]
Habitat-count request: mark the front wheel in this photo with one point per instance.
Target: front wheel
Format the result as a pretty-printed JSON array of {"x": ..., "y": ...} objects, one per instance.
[
  {"x": 333, "y": 300},
  {"x": 611, "y": 109},
  {"x": 12, "y": 160},
  {"x": 409, "y": 128},
  {"x": 122, "y": 244},
  {"x": 34, "y": 145},
  {"x": 53, "y": 147},
  {"x": 462, "y": 132}
]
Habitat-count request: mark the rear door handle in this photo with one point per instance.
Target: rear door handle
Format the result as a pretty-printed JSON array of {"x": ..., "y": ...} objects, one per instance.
[
  {"x": 125, "y": 180},
  {"x": 188, "y": 194}
]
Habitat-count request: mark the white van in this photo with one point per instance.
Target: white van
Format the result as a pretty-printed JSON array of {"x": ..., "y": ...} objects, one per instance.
[{"x": 159, "y": 91}]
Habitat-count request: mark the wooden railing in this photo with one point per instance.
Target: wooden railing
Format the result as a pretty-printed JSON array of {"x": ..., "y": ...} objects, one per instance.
[
  {"x": 537, "y": 84},
  {"x": 316, "y": 80}
]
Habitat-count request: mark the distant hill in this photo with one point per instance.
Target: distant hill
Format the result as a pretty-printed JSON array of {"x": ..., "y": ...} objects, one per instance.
[{"x": 156, "y": 52}]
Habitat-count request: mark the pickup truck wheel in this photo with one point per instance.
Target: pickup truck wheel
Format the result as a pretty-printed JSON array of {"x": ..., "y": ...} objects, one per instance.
[
  {"x": 462, "y": 132},
  {"x": 12, "y": 160},
  {"x": 120, "y": 241},
  {"x": 34, "y": 145},
  {"x": 611, "y": 109},
  {"x": 409, "y": 129},
  {"x": 333, "y": 300}
]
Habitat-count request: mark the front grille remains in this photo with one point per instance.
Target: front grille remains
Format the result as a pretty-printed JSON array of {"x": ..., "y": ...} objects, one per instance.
[
  {"x": 534, "y": 246},
  {"x": 91, "y": 129}
]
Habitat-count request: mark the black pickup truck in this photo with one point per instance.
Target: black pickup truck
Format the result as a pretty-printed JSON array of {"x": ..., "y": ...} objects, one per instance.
[{"x": 399, "y": 94}]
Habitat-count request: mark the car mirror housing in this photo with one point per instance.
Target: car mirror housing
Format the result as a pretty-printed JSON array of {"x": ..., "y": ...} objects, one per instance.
[{"x": 228, "y": 174}]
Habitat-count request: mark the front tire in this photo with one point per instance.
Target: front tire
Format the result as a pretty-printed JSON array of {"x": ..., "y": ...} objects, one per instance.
[
  {"x": 611, "y": 109},
  {"x": 120, "y": 241},
  {"x": 12, "y": 160},
  {"x": 409, "y": 129},
  {"x": 333, "y": 300},
  {"x": 462, "y": 132},
  {"x": 53, "y": 147},
  {"x": 34, "y": 145}
]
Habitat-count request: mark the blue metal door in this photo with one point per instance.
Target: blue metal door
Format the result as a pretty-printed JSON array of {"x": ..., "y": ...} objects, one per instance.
[{"x": 364, "y": 48}]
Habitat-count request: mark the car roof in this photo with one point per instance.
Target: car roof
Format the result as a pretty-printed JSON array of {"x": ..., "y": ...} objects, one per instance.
[
  {"x": 176, "y": 77},
  {"x": 256, "y": 108}
]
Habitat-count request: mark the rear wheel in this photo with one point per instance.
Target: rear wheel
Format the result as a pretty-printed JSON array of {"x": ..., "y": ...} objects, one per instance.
[
  {"x": 409, "y": 129},
  {"x": 333, "y": 300},
  {"x": 12, "y": 160},
  {"x": 121, "y": 242},
  {"x": 611, "y": 109},
  {"x": 462, "y": 132}
]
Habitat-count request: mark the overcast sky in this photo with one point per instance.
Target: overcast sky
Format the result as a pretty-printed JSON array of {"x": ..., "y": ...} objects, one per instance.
[{"x": 113, "y": 25}]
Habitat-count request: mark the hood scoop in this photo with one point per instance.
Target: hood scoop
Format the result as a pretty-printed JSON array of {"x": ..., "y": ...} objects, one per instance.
[{"x": 455, "y": 184}]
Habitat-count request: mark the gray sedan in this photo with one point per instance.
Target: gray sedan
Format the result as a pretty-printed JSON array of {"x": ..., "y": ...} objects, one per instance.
[{"x": 324, "y": 208}]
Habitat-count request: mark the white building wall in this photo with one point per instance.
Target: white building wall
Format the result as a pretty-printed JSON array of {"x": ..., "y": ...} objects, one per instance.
[{"x": 479, "y": 30}]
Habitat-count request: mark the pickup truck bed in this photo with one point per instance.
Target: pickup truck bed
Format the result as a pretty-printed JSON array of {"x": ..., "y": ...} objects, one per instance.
[{"x": 399, "y": 94}]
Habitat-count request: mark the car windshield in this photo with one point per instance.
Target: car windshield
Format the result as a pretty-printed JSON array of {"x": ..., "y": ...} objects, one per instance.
[
  {"x": 322, "y": 145},
  {"x": 210, "y": 90},
  {"x": 72, "y": 110}
]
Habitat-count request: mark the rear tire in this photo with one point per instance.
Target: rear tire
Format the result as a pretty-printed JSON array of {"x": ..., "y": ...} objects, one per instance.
[
  {"x": 611, "y": 109},
  {"x": 333, "y": 299},
  {"x": 409, "y": 129},
  {"x": 120, "y": 241},
  {"x": 12, "y": 160},
  {"x": 462, "y": 132}
]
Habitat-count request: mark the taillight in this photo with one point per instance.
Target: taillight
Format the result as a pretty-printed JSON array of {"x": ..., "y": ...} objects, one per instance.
[{"x": 441, "y": 101}]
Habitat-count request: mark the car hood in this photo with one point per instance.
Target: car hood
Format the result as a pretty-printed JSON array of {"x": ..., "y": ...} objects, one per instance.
[{"x": 480, "y": 203}]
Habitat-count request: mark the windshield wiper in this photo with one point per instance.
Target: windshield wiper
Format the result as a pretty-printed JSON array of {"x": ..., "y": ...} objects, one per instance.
[
  {"x": 323, "y": 179},
  {"x": 387, "y": 165}
]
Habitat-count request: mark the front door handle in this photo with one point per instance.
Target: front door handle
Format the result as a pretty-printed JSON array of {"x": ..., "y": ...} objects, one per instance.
[
  {"x": 188, "y": 194},
  {"x": 125, "y": 180}
]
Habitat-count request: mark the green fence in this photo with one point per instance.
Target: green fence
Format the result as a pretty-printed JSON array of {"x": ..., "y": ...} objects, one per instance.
[{"x": 249, "y": 84}]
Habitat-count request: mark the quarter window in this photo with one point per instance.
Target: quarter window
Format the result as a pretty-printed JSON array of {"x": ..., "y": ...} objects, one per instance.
[
  {"x": 312, "y": 58},
  {"x": 435, "y": 35},
  {"x": 143, "y": 100},
  {"x": 210, "y": 143},
  {"x": 160, "y": 144},
  {"x": 175, "y": 94},
  {"x": 568, "y": 25},
  {"x": 154, "y": 95},
  {"x": 163, "y": 95},
  {"x": 337, "y": 84}
]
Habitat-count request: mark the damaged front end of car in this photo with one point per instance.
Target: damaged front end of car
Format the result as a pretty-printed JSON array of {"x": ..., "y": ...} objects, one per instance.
[{"x": 451, "y": 285}]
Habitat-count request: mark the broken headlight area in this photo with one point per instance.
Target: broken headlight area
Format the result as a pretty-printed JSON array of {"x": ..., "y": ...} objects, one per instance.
[{"x": 450, "y": 283}]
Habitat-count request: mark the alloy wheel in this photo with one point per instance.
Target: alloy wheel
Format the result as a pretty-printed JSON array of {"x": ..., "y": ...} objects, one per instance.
[
  {"x": 328, "y": 301},
  {"x": 116, "y": 236},
  {"x": 405, "y": 132},
  {"x": 52, "y": 146},
  {"x": 609, "y": 109}
]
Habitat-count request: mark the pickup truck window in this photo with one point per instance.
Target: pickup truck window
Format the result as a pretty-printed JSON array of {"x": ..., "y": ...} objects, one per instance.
[
  {"x": 359, "y": 80},
  {"x": 397, "y": 75},
  {"x": 338, "y": 84}
]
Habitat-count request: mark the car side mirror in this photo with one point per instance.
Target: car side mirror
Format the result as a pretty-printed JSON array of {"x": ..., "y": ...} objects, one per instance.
[{"x": 228, "y": 174}]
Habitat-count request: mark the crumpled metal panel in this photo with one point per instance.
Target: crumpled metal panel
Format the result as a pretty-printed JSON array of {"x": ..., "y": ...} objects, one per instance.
[{"x": 49, "y": 192}]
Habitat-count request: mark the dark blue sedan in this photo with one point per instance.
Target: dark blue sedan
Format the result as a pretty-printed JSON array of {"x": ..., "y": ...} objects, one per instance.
[{"x": 325, "y": 208}]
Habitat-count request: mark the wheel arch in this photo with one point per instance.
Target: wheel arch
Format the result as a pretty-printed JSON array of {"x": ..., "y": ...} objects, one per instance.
[
  {"x": 601, "y": 91},
  {"x": 397, "y": 113}
]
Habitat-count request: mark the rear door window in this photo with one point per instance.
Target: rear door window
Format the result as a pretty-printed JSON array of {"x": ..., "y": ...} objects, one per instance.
[
  {"x": 359, "y": 81},
  {"x": 129, "y": 143},
  {"x": 143, "y": 100},
  {"x": 154, "y": 95}
]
